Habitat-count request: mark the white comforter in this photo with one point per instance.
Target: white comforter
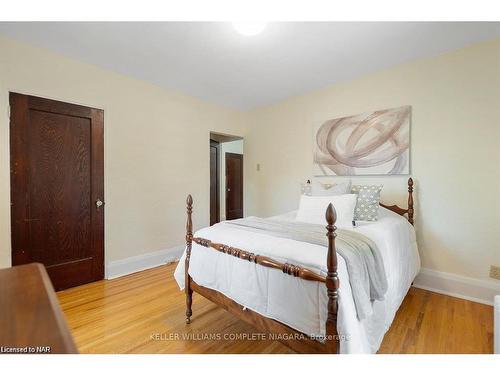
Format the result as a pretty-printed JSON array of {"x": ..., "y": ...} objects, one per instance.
[{"x": 302, "y": 304}]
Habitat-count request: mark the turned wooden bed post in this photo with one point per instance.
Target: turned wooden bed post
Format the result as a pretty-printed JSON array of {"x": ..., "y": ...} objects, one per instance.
[
  {"x": 332, "y": 283},
  {"x": 189, "y": 241},
  {"x": 410, "y": 200}
]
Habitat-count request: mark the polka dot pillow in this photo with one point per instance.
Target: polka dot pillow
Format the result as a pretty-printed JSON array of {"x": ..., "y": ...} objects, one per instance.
[{"x": 368, "y": 202}]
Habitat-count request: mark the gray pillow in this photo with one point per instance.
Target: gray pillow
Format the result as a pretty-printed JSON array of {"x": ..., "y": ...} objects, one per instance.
[
  {"x": 368, "y": 202},
  {"x": 328, "y": 189}
]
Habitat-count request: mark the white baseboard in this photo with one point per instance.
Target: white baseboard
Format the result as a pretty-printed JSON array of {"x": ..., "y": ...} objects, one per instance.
[
  {"x": 477, "y": 290},
  {"x": 142, "y": 262}
]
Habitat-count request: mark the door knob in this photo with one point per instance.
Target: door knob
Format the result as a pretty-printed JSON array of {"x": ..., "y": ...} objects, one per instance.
[
  {"x": 228, "y": 189},
  {"x": 99, "y": 203}
]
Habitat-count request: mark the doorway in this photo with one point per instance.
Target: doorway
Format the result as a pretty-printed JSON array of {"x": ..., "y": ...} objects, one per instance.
[
  {"x": 214, "y": 182},
  {"x": 57, "y": 188},
  {"x": 226, "y": 177}
]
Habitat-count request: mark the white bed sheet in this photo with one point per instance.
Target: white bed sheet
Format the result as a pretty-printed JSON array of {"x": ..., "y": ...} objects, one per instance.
[{"x": 299, "y": 303}]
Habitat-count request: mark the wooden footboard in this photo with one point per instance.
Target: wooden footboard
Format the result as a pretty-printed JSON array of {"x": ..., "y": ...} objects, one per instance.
[
  {"x": 295, "y": 340},
  {"x": 330, "y": 344},
  {"x": 300, "y": 342}
]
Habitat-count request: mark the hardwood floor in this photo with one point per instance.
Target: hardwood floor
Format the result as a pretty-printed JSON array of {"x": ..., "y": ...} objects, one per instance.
[{"x": 144, "y": 313}]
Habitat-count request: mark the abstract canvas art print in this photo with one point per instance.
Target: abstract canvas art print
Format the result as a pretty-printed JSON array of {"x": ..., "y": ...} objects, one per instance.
[{"x": 376, "y": 143}]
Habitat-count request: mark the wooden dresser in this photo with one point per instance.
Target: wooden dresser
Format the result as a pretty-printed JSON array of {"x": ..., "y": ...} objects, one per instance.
[{"x": 31, "y": 320}]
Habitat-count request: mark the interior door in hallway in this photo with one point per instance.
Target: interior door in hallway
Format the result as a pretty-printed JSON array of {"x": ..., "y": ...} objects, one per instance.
[{"x": 234, "y": 186}]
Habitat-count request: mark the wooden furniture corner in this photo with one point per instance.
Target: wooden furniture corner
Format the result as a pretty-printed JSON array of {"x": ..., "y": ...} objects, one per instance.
[{"x": 31, "y": 320}]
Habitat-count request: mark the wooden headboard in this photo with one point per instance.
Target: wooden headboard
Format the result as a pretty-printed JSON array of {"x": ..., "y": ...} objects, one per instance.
[{"x": 403, "y": 211}]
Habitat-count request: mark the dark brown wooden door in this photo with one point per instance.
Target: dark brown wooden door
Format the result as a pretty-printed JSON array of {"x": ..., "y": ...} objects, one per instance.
[
  {"x": 214, "y": 182},
  {"x": 57, "y": 188},
  {"x": 234, "y": 186}
]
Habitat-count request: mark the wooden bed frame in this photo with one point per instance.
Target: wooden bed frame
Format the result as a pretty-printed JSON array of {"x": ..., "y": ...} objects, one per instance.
[{"x": 300, "y": 342}]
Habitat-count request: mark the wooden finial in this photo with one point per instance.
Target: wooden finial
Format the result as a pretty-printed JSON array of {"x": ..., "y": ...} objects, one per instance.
[
  {"x": 189, "y": 221},
  {"x": 332, "y": 282},
  {"x": 331, "y": 215},
  {"x": 410, "y": 200}
]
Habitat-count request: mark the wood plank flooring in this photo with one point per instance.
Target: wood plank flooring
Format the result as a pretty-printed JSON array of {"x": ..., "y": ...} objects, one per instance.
[{"x": 144, "y": 313}]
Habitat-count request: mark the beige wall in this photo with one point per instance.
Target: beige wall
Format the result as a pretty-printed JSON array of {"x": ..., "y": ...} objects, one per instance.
[
  {"x": 455, "y": 152},
  {"x": 156, "y": 147}
]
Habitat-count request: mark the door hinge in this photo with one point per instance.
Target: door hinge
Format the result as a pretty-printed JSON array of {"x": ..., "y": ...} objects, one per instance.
[{"x": 8, "y": 111}]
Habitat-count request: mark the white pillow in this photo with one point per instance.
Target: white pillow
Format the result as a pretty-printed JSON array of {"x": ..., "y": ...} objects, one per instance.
[
  {"x": 312, "y": 209},
  {"x": 321, "y": 188}
]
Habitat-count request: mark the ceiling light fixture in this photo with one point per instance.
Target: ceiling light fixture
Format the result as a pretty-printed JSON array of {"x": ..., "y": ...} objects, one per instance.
[{"x": 249, "y": 28}]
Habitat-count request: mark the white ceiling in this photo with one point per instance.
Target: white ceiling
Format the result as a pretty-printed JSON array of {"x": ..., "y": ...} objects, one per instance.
[{"x": 211, "y": 61}]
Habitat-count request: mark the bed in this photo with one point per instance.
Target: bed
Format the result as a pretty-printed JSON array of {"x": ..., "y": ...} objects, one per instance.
[{"x": 298, "y": 292}]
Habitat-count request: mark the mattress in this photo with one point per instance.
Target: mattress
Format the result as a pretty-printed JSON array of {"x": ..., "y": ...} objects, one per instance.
[{"x": 302, "y": 304}]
